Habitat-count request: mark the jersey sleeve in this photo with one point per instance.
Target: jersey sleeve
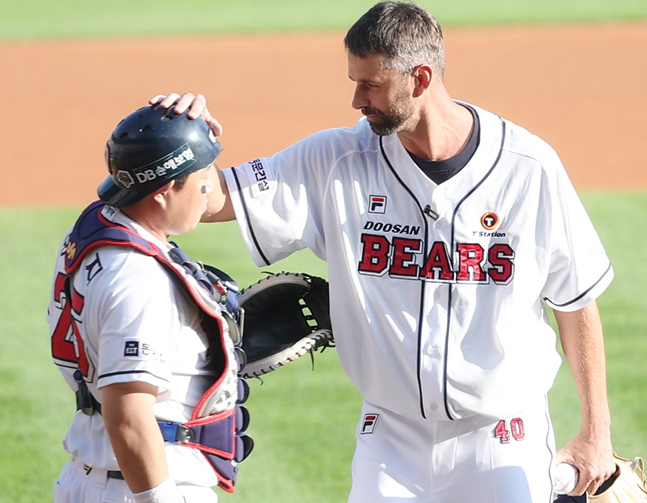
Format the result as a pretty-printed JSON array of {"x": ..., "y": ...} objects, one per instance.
[
  {"x": 58, "y": 320},
  {"x": 135, "y": 316},
  {"x": 579, "y": 268},
  {"x": 279, "y": 200}
]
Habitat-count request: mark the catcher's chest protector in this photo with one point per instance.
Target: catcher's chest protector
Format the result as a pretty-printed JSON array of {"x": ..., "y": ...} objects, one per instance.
[{"x": 218, "y": 420}]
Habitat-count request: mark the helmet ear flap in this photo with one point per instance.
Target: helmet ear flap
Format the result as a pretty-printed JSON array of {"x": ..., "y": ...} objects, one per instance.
[{"x": 151, "y": 147}]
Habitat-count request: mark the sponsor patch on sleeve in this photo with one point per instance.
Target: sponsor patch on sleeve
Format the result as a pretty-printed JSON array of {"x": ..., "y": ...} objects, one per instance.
[
  {"x": 258, "y": 175},
  {"x": 142, "y": 350},
  {"x": 131, "y": 348}
]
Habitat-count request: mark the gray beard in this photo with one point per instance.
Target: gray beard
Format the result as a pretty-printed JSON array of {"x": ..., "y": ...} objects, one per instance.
[{"x": 388, "y": 125}]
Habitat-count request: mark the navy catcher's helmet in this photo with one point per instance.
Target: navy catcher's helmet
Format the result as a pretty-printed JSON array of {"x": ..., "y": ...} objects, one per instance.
[{"x": 151, "y": 147}]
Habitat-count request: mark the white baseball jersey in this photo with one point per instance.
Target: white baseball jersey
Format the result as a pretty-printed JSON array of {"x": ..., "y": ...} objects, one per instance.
[
  {"x": 136, "y": 324},
  {"x": 437, "y": 290}
]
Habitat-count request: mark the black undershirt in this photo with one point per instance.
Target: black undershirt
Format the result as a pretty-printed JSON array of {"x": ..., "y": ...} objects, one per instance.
[{"x": 441, "y": 171}]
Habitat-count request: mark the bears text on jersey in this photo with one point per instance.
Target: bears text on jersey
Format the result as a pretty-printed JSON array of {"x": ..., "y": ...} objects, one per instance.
[{"x": 400, "y": 258}]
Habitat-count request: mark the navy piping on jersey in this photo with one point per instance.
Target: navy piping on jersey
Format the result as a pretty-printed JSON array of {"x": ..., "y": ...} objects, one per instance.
[
  {"x": 451, "y": 247},
  {"x": 549, "y": 496},
  {"x": 583, "y": 293},
  {"x": 249, "y": 223},
  {"x": 124, "y": 372},
  {"x": 422, "y": 283}
]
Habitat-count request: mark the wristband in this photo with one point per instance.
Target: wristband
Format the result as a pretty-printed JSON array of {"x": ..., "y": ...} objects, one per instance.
[{"x": 166, "y": 492}]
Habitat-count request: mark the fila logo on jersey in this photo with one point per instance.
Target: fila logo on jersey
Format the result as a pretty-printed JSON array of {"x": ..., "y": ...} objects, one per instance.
[
  {"x": 369, "y": 423},
  {"x": 377, "y": 204}
]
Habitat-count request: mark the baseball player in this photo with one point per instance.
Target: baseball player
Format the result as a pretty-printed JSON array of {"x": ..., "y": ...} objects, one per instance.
[
  {"x": 139, "y": 331},
  {"x": 447, "y": 231}
]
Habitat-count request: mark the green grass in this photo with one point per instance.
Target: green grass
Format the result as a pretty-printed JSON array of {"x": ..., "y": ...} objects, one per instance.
[
  {"x": 302, "y": 420},
  {"x": 32, "y": 19},
  {"x": 623, "y": 307}
]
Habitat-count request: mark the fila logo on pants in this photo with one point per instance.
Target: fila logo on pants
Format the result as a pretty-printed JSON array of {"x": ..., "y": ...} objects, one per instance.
[{"x": 369, "y": 423}]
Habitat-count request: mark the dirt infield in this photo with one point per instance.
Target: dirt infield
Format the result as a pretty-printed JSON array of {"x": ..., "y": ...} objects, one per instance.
[{"x": 582, "y": 88}]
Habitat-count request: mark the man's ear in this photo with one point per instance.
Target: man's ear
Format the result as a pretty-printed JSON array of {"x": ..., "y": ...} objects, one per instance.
[
  {"x": 161, "y": 194},
  {"x": 422, "y": 76}
]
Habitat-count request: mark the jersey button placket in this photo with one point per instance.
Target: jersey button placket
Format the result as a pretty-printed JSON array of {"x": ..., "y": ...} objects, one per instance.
[{"x": 432, "y": 347}]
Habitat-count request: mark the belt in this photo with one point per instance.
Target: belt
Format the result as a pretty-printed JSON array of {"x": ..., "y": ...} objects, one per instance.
[{"x": 112, "y": 474}]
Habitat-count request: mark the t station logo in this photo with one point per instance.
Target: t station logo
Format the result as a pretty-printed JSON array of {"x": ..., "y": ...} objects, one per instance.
[{"x": 489, "y": 221}]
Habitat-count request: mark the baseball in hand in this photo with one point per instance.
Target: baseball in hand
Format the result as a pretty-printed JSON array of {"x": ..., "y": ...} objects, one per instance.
[{"x": 566, "y": 477}]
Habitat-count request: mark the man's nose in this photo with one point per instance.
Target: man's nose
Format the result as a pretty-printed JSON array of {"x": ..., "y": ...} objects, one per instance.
[{"x": 359, "y": 101}]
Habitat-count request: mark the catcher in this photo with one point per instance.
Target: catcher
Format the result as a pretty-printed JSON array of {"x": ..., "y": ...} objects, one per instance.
[{"x": 146, "y": 338}]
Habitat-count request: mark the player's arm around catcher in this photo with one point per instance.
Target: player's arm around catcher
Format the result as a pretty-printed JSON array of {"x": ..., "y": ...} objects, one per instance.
[{"x": 590, "y": 451}]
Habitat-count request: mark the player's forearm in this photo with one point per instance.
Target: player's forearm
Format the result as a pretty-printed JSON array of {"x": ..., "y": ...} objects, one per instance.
[
  {"x": 219, "y": 207},
  {"x": 135, "y": 434},
  {"x": 583, "y": 343},
  {"x": 590, "y": 451}
]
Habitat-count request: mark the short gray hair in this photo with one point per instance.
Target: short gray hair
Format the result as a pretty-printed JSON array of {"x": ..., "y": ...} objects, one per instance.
[{"x": 404, "y": 33}]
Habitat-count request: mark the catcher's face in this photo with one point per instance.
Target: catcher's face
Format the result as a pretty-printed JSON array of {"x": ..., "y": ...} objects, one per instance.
[{"x": 186, "y": 204}]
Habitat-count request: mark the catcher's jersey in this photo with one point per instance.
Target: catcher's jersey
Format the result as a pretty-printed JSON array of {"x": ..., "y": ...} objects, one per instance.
[
  {"x": 136, "y": 324},
  {"x": 436, "y": 290}
]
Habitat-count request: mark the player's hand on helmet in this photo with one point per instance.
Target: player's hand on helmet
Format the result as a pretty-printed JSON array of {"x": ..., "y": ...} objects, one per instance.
[
  {"x": 196, "y": 103},
  {"x": 593, "y": 457}
]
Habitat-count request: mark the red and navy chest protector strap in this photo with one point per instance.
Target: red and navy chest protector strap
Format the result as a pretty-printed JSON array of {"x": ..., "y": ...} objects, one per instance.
[{"x": 220, "y": 437}]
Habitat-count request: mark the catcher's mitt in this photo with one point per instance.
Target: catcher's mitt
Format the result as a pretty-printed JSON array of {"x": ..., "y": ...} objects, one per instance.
[
  {"x": 286, "y": 315},
  {"x": 626, "y": 485}
]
